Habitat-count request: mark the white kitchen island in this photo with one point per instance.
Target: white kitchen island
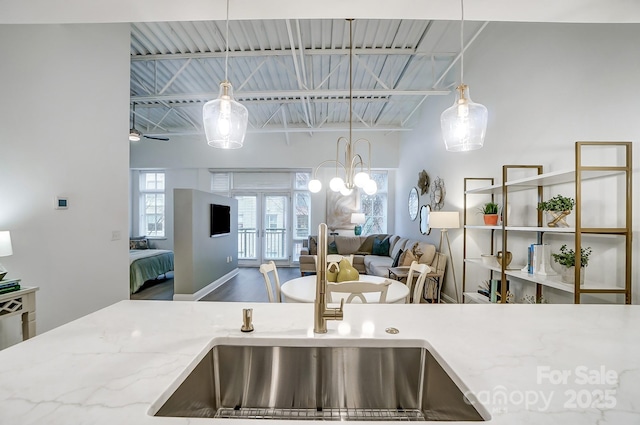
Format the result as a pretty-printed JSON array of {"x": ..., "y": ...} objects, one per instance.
[{"x": 527, "y": 364}]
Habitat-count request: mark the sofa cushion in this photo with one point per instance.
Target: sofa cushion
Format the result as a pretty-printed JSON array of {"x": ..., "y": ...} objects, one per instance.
[
  {"x": 392, "y": 244},
  {"x": 396, "y": 260},
  {"x": 400, "y": 244},
  {"x": 377, "y": 265},
  {"x": 348, "y": 244}
]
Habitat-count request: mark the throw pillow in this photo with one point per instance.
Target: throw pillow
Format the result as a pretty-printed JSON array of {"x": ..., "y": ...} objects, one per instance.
[
  {"x": 396, "y": 260},
  {"x": 333, "y": 248},
  {"x": 408, "y": 258},
  {"x": 138, "y": 244},
  {"x": 367, "y": 245},
  {"x": 381, "y": 247}
]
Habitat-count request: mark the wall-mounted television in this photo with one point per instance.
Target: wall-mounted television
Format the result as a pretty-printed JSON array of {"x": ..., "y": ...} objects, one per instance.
[{"x": 220, "y": 220}]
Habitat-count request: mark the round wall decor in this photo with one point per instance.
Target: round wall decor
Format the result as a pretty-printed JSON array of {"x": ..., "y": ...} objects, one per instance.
[
  {"x": 413, "y": 203},
  {"x": 437, "y": 194}
]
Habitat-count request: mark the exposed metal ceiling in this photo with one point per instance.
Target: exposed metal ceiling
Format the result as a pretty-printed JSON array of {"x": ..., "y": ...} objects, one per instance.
[{"x": 293, "y": 75}]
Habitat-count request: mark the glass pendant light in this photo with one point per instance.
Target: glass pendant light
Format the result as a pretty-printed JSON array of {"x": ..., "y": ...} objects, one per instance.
[
  {"x": 224, "y": 119},
  {"x": 464, "y": 124}
]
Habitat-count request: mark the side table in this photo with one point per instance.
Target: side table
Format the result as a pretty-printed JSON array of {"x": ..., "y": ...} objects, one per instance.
[
  {"x": 400, "y": 273},
  {"x": 21, "y": 302}
]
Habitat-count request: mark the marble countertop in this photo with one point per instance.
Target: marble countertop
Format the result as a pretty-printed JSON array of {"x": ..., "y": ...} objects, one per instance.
[{"x": 527, "y": 364}]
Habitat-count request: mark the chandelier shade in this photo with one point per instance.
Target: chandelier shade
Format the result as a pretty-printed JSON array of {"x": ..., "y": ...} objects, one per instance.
[
  {"x": 225, "y": 120},
  {"x": 464, "y": 124}
]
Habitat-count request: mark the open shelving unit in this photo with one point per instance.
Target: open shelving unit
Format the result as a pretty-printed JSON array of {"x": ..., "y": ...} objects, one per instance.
[{"x": 578, "y": 176}]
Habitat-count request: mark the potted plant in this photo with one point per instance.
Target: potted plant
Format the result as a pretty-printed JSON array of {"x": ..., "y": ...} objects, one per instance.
[
  {"x": 490, "y": 212},
  {"x": 567, "y": 258},
  {"x": 558, "y": 207}
]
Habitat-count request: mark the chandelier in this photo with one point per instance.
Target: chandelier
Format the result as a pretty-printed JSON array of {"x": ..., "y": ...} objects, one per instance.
[
  {"x": 224, "y": 119},
  {"x": 465, "y": 123},
  {"x": 355, "y": 170}
]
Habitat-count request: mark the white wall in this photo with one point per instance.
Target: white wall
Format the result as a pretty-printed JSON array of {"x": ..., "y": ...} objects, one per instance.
[
  {"x": 63, "y": 114},
  {"x": 201, "y": 260},
  {"x": 545, "y": 86}
]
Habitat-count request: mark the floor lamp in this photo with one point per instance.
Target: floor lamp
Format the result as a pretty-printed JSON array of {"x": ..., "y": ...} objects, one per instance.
[{"x": 445, "y": 220}]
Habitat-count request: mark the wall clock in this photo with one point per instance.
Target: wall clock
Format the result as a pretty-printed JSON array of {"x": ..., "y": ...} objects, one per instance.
[{"x": 437, "y": 194}]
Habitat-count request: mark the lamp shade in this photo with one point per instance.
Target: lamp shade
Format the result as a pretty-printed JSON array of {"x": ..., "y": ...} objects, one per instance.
[
  {"x": 358, "y": 218},
  {"x": 444, "y": 219},
  {"x": 464, "y": 124},
  {"x": 225, "y": 120},
  {"x": 5, "y": 244}
]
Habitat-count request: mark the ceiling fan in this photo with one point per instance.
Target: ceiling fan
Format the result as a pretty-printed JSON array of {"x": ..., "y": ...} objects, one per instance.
[{"x": 135, "y": 135}]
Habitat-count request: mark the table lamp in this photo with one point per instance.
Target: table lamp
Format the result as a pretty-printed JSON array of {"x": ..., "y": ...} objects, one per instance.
[
  {"x": 5, "y": 249},
  {"x": 358, "y": 219},
  {"x": 445, "y": 220}
]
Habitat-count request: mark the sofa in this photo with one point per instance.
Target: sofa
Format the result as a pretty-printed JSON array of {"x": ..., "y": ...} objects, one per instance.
[{"x": 375, "y": 254}]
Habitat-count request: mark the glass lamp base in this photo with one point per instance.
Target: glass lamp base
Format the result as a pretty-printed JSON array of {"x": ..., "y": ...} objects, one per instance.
[{"x": 357, "y": 230}]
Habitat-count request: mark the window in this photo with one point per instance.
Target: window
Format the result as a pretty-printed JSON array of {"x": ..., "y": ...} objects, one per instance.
[
  {"x": 374, "y": 206},
  {"x": 152, "y": 204}
]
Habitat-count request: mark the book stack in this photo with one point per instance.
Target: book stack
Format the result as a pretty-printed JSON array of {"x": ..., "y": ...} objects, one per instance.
[
  {"x": 9, "y": 285},
  {"x": 538, "y": 260}
]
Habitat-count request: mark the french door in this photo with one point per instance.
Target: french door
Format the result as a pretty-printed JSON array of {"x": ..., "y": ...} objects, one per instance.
[{"x": 263, "y": 228}]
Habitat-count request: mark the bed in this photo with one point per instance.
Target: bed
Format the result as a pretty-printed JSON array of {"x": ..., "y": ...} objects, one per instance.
[{"x": 146, "y": 264}]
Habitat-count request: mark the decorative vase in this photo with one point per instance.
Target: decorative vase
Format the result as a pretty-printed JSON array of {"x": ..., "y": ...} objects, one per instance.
[
  {"x": 332, "y": 272},
  {"x": 557, "y": 218},
  {"x": 569, "y": 274},
  {"x": 347, "y": 272},
  {"x": 506, "y": 258},
  {"x": 491, "y": 219}
]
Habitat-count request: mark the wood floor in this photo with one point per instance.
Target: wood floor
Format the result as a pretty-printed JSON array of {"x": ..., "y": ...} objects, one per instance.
[{"x": 246, "y": 286}]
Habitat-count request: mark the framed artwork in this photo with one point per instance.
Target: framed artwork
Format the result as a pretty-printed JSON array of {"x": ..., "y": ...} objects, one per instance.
[{"x": 340, "y": 208}]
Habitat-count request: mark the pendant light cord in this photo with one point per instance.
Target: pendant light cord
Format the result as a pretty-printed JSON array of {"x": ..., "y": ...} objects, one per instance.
[
  {"x": 226, "y": 52},
  {"x": 350, "y": 79},
  {"x": 461, "y": 42}
]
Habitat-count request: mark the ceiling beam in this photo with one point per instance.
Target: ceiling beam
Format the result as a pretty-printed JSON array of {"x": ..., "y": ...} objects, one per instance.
[
  {"x": 287, "y": 52},
  {"x": 281, "y": 95}
]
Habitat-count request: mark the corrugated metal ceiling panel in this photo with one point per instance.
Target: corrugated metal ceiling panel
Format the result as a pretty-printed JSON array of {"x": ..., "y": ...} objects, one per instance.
[{"x": 293, "y": 70}]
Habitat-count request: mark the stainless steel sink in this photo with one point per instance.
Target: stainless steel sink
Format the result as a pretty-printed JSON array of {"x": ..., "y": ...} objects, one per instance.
[{"x": 319, "y": 383}]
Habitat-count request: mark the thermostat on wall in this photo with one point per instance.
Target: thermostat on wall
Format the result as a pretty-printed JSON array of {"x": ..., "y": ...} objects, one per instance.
[{"x": 62, "y": 203}]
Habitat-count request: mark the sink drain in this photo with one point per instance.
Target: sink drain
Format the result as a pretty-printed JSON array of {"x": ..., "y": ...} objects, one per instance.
[{"x": 392, "y": 331}]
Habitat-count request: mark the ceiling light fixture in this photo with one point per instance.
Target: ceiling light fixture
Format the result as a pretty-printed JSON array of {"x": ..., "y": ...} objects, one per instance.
[
  {"x": 224, "y": 119},
  {"x": 352, "y": 161},
  {"x": 465, "y": 123}
]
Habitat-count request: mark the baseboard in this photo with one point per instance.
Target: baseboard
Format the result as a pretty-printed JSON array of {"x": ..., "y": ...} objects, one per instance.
[{"x": 207, "y": 289}]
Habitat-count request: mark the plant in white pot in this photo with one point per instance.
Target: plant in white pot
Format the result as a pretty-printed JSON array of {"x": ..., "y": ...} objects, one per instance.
[
  {"x": 567, "y": 258},
  {"x": 558, "y": 207}
]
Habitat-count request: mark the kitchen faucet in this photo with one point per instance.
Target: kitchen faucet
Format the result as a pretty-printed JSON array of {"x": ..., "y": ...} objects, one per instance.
[{"x": 320, "y": 311}]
